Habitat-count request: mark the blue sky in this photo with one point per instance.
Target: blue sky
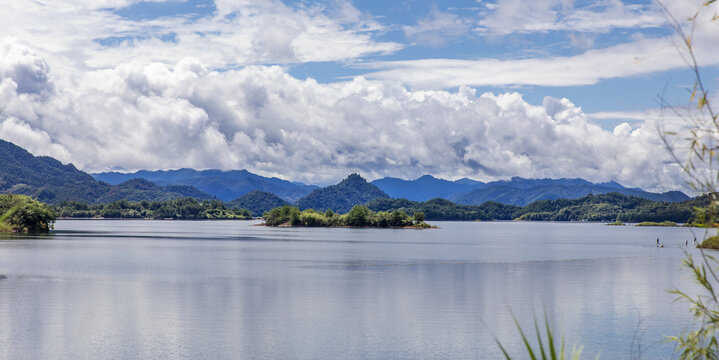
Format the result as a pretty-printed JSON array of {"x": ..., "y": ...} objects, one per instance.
[{"x": 313, "y": 90}]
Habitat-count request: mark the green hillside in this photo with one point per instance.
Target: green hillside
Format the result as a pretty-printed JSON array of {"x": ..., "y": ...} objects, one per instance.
[
  {"x": 49, "y": 181},
  {"x": 258, "y": 202},
  {"x": 604, "y": 207},
  {"x": 354, "y": 190}
]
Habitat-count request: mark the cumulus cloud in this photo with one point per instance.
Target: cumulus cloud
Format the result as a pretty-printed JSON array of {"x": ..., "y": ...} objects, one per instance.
[{"x": 155, "y": 116}]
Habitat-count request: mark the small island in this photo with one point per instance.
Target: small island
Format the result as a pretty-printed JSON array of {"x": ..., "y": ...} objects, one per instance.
[
  {"x": 358, "y": 216},
  {"x": 661, "y": 224},
  {"x": 20, "y": 213}
]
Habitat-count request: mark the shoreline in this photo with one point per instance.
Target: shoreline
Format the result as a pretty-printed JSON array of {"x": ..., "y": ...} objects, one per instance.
[{"x": 285, "y": 226}]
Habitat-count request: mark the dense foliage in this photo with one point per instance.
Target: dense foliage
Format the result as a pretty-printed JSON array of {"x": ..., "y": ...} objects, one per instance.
[
  {"x": 184, "y": 208},
  {"x": 20, "y": 213},
  {"x": 358, "y": 216},
  {"x": 342, "y": 197},
  {"x": 258, "y": 202},
  {"x": 441, "y": 209},
  {"x": 604, "y": 207},
  {"x": 607, "y": 207}
]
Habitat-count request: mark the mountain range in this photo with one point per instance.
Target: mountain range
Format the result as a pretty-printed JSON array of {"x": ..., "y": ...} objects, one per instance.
[
  {"x": 516, "y": 191},
  {"x": 50, "y": 181},
  {"x": 425, "y": 187},
  {"x": 519, "y": 191},
  {"x": 225, "y": 185}
]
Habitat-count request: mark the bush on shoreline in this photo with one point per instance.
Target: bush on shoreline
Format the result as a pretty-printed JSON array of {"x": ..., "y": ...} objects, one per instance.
[{"x": 20, "y": 213}]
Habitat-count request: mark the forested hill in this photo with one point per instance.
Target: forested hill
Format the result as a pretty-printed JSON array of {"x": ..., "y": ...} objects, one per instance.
[
  {"x": 603, "y": 207},
  {"x": 48, "y": 180},
  {"x": 257, "y": 202},
  {"x": 354, "y": 190}
]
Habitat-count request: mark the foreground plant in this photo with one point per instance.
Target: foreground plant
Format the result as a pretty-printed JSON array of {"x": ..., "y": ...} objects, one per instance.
[
  {"x": 702, "y": 342},
  {"x": 546, "y": 347}
]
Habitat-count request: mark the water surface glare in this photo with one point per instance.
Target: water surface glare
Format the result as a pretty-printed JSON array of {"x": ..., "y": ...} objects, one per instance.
[{"x": 229, "y": 290}]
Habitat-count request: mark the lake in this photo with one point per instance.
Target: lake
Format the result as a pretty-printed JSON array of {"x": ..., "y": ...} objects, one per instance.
[{"x": 229, "y": 290}]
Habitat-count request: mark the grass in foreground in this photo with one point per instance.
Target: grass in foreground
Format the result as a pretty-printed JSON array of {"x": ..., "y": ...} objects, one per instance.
[{"x": 546, "y": 347}]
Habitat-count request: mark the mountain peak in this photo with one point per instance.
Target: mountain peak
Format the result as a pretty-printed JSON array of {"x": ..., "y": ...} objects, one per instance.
[
  {"x": 354, "y": 190},
  {"x": 353, "y": 178},
  {"x": 426, "y": 177}
]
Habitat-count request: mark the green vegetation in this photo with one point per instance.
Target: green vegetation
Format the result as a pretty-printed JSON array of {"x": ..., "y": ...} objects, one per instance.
[
  {"x": 547, "y": 347},
  {"x": 616, "y": 223},
  {"x": 358, "y": 216},
  {"x": 701, "y": 343},
  {"x": 20, "y": 213},
  {"x": 441, "y": 209},
  {"x": 342, "y": 197},
  {"x": 181, "y": 209},
  {"x": 258, "y": 202},
  {"x": 48, "y": 180},
  {"x": 604, "y": 207},
  {"x": 711, "y": 242},
  {"x": 663, "y": 223}
]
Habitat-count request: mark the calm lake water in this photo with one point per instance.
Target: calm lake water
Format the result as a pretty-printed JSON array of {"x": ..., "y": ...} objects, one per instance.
[{"x": 229, "y": 290}]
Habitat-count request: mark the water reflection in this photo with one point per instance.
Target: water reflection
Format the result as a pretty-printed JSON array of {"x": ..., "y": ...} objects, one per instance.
[{"x": 138, "y": 289}]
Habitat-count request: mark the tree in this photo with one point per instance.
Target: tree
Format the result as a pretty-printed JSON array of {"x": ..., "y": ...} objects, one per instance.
[{"x": 358, "y": 216}]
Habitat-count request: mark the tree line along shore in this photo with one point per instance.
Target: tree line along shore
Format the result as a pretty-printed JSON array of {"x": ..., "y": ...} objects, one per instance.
[{"x": 384, "y": 212}]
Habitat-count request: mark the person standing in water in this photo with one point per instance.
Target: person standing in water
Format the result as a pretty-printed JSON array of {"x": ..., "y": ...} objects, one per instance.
[{"x": 657, "y": 241}]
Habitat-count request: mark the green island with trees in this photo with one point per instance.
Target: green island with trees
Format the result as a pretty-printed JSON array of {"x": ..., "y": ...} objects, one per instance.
[
  {"x": 358, "y": 216},
  {"x": 20, "y": 213}
]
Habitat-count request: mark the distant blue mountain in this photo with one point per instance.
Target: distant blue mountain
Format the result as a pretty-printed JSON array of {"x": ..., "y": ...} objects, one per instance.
[
  {"x": 520, "y": 191},
  {"x": 425, "y": 188},
  {"x": 225, "y": 185}
]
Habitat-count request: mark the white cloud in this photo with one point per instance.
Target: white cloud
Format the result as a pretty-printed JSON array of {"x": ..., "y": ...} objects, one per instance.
[
  {"x": 154, "y": 116},
  {"x": 437, "y": 29},
  {"x": 515, "y": 16},
  {"x": 239, "y": 33},
  {"x": 639, "y": 57}
]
